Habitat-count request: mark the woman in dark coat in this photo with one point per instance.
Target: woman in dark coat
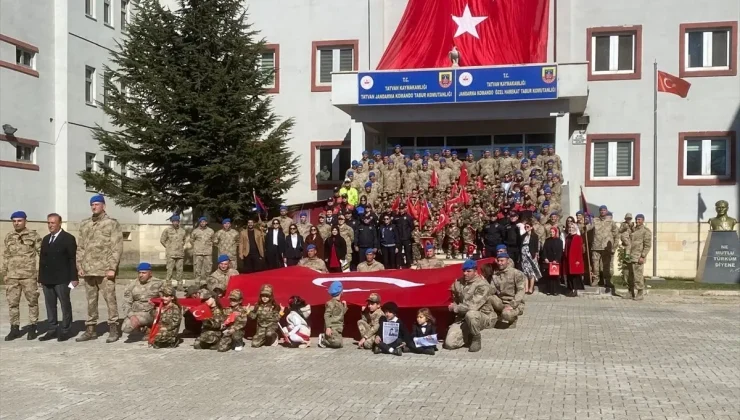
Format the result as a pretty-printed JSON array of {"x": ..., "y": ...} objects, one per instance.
[
  {"x": 552, "y": 252},
  {"x": 293, "y": 246},
  {"x": 275, "y": 245},
  {"x": 314, "y": 238},
  {"x": 335, "y": 250},
  {"x": 573, "y": 266}
]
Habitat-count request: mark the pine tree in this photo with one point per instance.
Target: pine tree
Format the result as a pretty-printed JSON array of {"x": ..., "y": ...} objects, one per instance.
[{"x": 194, "y": 127}]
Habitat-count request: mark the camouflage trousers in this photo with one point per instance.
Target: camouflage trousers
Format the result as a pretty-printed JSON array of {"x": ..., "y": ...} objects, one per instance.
[
  {"x": 208, "y": 339},
  {"x": 227, "y": 342},
  {"x": 504, "y": 309},
  {"x": 140, "y": 320},
  {"x": 461, "y": 332},
  {"x": 334, "y": 341},
  {"x": 93, "y": 286},
  {"x": 264, "y": 336},
  {"x": 174, "y": 264},
  {"x": 202, "y": 267},
  {"x": 601, "y": 266},
  {"x": 635, "y": 276},
  {"x": 416, "y": 250},
  {"x": 165, "y": 339},
  {"x": 30, "y": 288},
  {"x": 364, "y": 327}
]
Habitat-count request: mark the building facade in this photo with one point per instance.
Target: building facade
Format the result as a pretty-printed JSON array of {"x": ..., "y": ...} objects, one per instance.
[{"x": 601, "y": 123}]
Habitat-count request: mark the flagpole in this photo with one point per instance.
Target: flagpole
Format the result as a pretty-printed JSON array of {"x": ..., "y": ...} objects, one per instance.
[{"x": 655, "y": 170}]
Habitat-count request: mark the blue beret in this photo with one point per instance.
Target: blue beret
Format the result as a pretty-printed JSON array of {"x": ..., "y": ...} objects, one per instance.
[
  {"x": 223, "y": 258},
  {"x": 376, "y": 152},
  {"x": 429, "y": 246},
  {"x": 97, "y": 199},
  {"x": 603, "y": 207},
  {"x": 442, "y": 160},
  {"x": 202, "y": 219},
  {"x": 304, "y": 214},
  {"x": 530, "y": 150},
  {"x": 361, "y": 210},
  {"x": 554, "y": 214},
  {"x": 369, "y": 251},
  {"x": 425, "y": 162},
  {"x": 550, "y": 161},
  {"x": 350, "y": 173},
  {"x": 545, "y": 203},
  {"x": 310, "y": 247},
  {"x": 398, "y": 146},
  {"x": 371, "y": 174},
  {"x": 471, "y": 154},
  {"x": 469, "y": 265},
  {"x": 355, "y": 163},
  {"x": 409, "y": 164},
  {"x": 524, "y": 161},
  {"x": 549, "y": 146},
  {"x": 502, "y": 256},
  {"x": 517, "y": 171},
  {"x": 225, "y": 221},
  {"x": 579, "y": 212},
  {"x": 547, "y": 191},
  {"x": 417, "y": 152},
  {"x": 426, "y": 153},
  {"x": 496, "y": 150},
  {"x": 335, "y": 288},
  {"x": 18, "y": 215},
  {"x": 506, "y": 149},
  {"x": 364, "y": 152},
  {"x": 283, "y": 207},
  {"x": 640, "y": 216},
  {"x": 500, "y": 246},
  {"x": 144, "y": 266},
  {"x": 518, "y": 149},
  {"x": 368, "y": 184},
  {"x": 454, "y": 153},
  {"x": 175, "y": 217}
]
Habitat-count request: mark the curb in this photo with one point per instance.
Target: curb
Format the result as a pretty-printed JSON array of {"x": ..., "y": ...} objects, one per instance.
[{"x": 690, "y": 292}]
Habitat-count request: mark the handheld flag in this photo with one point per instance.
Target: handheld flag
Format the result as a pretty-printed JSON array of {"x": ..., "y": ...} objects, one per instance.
[
  {"x": 258, "y": 204},
  {"x": 202, "y": 312}
]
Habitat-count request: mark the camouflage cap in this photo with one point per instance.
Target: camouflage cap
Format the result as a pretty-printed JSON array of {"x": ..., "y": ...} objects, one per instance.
[
  {"x": 235, "y": 295},
  {"x": 628, "y": 216},
  {"x": 266, "y": 289},
  {"x": 168, "y": 291},
  {"x": 373, "y": 298},
  {"x": 206, "y": 294},
  {"x": 191, "y": 290}
]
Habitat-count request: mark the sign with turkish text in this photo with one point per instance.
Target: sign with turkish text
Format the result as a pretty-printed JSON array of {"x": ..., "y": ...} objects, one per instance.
[{"x": 461, "y": 85}]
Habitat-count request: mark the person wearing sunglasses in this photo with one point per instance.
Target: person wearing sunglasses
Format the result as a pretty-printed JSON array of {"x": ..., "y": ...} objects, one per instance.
[
  {"x": 275, "y": 245},
  {"x": 389, "y": 241},
  {"x": 293, "y": 246}
]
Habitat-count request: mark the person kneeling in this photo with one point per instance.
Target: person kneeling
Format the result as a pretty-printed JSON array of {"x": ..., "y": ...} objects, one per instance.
[
  {"x": 210, "y": 333},
  {"x": 471, "y": 307},
  {"x": 137, "y": 301},
  {"x": 392, "y": 334},
  {"x": 234, "y": 324},
  {"x": 509, "y": 287},
  {"x": 334, "y": 311},
  {"x": 170, "y": 317}
]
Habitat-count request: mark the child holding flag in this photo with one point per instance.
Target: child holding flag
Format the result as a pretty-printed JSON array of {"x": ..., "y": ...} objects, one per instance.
[
  {"x": 267, "y": 312},
  {"x": 236, "y": 320},
  {"x": 212, "y": 322},
  {"x": 164, "y": 332}
]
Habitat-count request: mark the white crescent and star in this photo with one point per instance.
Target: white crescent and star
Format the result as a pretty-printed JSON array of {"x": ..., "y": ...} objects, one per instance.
[
  {"x": 404, "y": 284},
  {"x": 466, "y": 24}
]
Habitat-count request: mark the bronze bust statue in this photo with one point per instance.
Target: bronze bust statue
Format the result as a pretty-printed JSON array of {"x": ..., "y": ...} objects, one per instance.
[{"x": 723, "y": 222}]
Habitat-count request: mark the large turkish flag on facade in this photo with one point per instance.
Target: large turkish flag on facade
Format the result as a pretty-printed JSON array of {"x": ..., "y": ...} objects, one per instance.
[{"x": 485, "y": 32}]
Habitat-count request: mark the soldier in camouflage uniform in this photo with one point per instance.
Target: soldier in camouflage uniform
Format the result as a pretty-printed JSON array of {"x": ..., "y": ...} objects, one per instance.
[
  {"x": 625, "y": 230},
  {"x": 220, "y": 278},
  {"x": 267, "y": 314},
  {"x": 508, "y": 290},
  {"x": 470, "y": 296},
  {"x": 22, "y": 247},
  {"x": 425, "y": 176},
  {"x": 641, "y": 240},
  {"x": 170, "y": 317},
  {"x": 444, "y": 174},
  {"x": 211, "y": 328},
  {"x": 453, "y": 239},
  {"x": 429, "y": 260},
  {"x": 334, "y": 312},
  {"x": 233, "y": 333},
  {"x": 99, "y": 250},
  {"x": 226, "y": 241},
  {"x": 416, "y": 246},
  {"x": 202, "y": 239},
  {"x": 173, "y": 241},
  {"x": 605, "y": 236},
  {"x": 312, "y": 261},
  {"x": 369, "y": 265},
  {"x": 397, "y": 157},
  {"x": 303, "y": 226},
  {"x": 137, "y": 303},
  {"x": 285, "y": 220},
  {"x": 323, "y": 227},
  {"x": 410, "y": 179},
  {"x": 370, "y": 321},
  {"x": 392, "y": 179},
  {"x": 468, "y": 236}
]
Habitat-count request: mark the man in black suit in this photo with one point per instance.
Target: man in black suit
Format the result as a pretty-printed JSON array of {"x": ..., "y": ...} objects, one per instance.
[{"x": 57, "y": 270}]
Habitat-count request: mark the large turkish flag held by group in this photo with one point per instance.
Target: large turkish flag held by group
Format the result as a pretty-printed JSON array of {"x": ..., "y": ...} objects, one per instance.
[{"x": 485, "y": 32}]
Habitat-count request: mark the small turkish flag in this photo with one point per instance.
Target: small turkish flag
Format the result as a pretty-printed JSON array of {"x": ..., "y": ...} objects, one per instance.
[
  {"x": 672, "y": 84},
  {"x": 202, "y": 312}
]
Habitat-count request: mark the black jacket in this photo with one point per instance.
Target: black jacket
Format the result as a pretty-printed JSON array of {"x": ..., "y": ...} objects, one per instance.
[
  {"x": 534, "y": 244},
  {"x": 294, "y": 253},
  {"x": 403, "y": 333},
  {"x": 416, "y": 331},
  {"x": 366, "y": 236},
  {"x": 552, "y": 250},
  {"x": 388, "y": 235},
  {"x": 405, "y": 225},
  {"x": 271, "y": 249},
  {"x": 57, "y": 262},
  {"x": 338, "y": 243},
  {"x": 511, "y": 235},
  {"x": 493, "y": 234}
]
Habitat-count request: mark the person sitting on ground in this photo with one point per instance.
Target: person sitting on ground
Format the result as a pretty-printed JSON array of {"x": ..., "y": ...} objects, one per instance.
[
  {"x": 392, "y": 334},
  {"x": 137, "y": 303},
  {"x": 267, "y": 313},
  {"x": 210, "y": 328},
  {"x": 508, "y": 290},
  {"x": 170, "y": 317},
  {"x": 423, "y": 329},
  {"x": 235, "y": 321},
  {"x": 220, "y": 277},
  {"x": 299, "y": 328},
  {"x": 334, "y": 312},
  {"x": 370, "y": 322},
  {"x": 471, "y": 307}
]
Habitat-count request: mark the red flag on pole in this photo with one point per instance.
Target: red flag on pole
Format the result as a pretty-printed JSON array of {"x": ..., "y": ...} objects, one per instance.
[
  {"x": 434, "y": 181},
  {"x": 396, "y": 203},
  {"x": 672, "y": 84},
  {"x": 155, "y": 325},
  {"x": 479, "y": 183},
  {"x": 463, "y": 180}
]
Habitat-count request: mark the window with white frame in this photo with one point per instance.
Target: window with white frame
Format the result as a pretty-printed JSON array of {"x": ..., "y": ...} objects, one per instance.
[
  {"x": 613, "y": 53},
  {"x": 333, "y": 59},
  {"x": 124, "y": 15},
  {"x": 107, "y": 13},
  {"x": 25, "y": 58},
  {"x": 612, "y": 160},
  {"x": 108, "y": 161},
  {"x": 90, "y": 8},
  {"x": 267, "y": 65},
  {"x": 332, "y": 164},
  {"x": 707, "y": 49},
  {"x": 89, "y": 85},
  {"x": 89, "y": 166},
  {"x": 25, "y": 153},
  {"x": 706, "y": 158}
]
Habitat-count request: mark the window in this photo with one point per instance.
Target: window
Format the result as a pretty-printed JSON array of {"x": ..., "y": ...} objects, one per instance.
[
  {"x": 329, "y": 57},
  {"x": 89, "y": 166},
  {"x": 613, "y": 160},
  {"x": 270, "y": 64},
  {"x": 89, "y": 85},
  {"x": 706, "y": 158},
  {"x": 108, "y": 161},
  {"x": 25, "y": 58},
  {"x": 614, "y": 53},
  {"x": 330, "y": 160},
  {"x": 25, "y": 153},
  {"x": 708, "y": 49},
  {"x": 90, "y": 8},
  {"x": 124, "y": 15},
  {"x": 107, "y": 13},
  {"x": 106, "y": 80}
]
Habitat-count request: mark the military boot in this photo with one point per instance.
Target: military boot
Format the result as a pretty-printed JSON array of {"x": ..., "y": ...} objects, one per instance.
[
  {"x": 640, "y": 295},
  {"x": 475, "y": 344},
  {"x": 113, "y": 333},
  {"x": 512, "y": 324},
  {"x": 630, "y": 295},
  {"x": 88, "y": 335},
  {"x": 33, "y": 332},
  {"x": 15, "y": 332}
]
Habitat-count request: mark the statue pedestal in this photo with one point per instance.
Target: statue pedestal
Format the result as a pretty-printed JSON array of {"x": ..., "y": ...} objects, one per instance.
[{"x": 719, "y": 260}]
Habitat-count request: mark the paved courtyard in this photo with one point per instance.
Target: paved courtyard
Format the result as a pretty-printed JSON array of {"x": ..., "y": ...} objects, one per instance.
[{"x": 583, "y": 358}]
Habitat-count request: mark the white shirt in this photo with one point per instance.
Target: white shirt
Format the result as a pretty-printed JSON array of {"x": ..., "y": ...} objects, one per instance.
[
  {"x": 53, "y": 237},
  {"x": 294, "y": 240},
  {"x": 275, "y": 237}
]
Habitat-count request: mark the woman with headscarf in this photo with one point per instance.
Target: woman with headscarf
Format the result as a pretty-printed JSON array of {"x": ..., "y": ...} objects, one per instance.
[
  {"x": 335, "y": 250},
  {"x": 314, "y": 238},
  {"x": 551, "y": 255},
  {"x": 573, "y": 266}
]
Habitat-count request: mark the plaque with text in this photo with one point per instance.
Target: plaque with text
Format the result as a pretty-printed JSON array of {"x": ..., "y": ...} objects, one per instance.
[{"x": 719, "y": 260}]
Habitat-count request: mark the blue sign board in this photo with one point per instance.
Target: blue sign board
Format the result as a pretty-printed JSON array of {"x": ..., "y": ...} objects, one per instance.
[{"x": 474, "y": 84}]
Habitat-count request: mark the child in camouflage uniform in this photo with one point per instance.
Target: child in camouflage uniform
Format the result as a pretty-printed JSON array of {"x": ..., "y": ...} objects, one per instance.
[
  {"x": 333, "y": 318},
  {"x": 169, "y": 320},
  {"x": 211, "y": 328},
  {"x": 368, "y": 324},
  {"x": 233, "y": 329},
  {"x": 267, "y": 313}
]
